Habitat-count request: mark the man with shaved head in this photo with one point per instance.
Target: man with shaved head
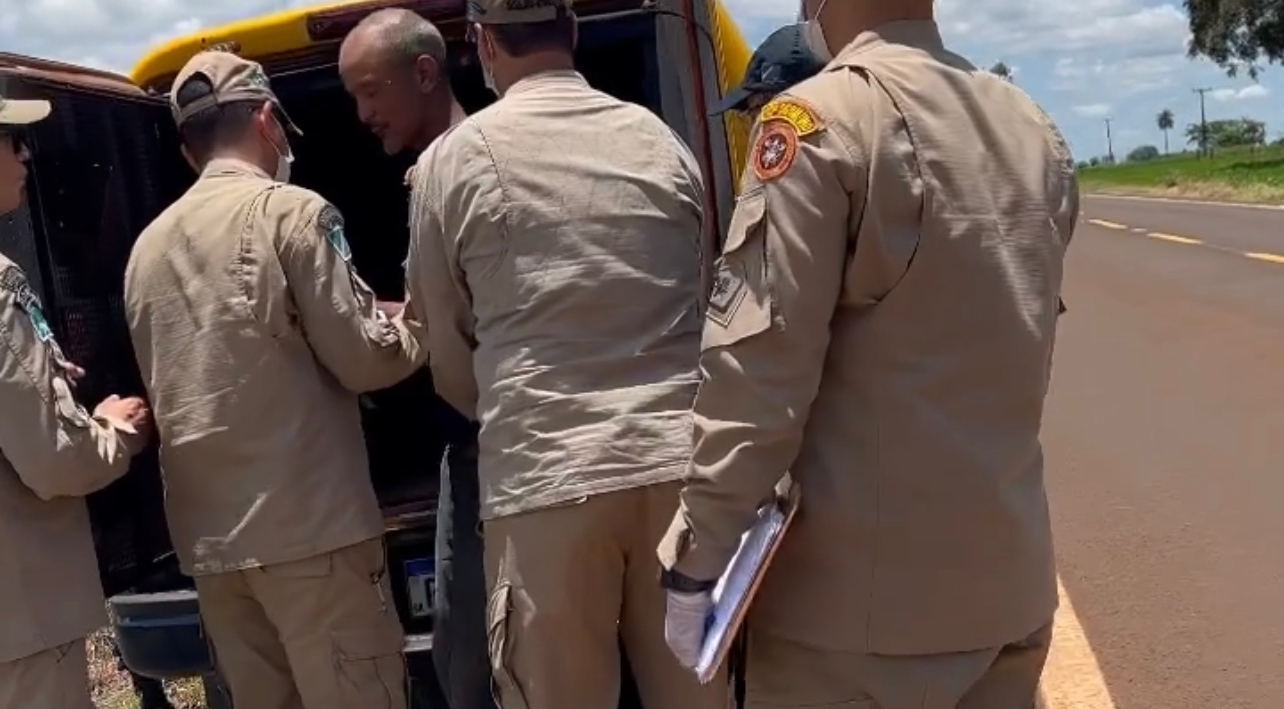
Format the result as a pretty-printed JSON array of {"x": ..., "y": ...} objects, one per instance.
[{"x": 394, "y": 65}]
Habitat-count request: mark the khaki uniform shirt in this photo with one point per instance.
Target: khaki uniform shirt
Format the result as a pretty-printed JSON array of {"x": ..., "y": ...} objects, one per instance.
[
  {"x": 52, "y": 454},
  {"x": 555, "y": 261},
  {"x": 882, "y": 328},
  {"x": 255, "y": 336}
]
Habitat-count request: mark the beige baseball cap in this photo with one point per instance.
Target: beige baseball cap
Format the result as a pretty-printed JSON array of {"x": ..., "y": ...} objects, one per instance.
[
  {"x": 22, "y": 113},
  {"x": 504, "y": 12},
  {"x": 234, "y": 80}
]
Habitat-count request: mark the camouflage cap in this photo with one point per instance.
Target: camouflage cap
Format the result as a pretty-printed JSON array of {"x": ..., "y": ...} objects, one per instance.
[
  {"x": 507, "y": 12},
  {"x": 234, "y": 79},
  {"x": 22, "y": 113}
]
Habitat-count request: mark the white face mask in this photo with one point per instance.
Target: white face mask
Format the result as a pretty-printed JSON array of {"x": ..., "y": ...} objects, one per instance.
[
  {"x": 284, "y": 158},
  {"x": 487, "y": 76},
  {"x": 814, "y": 35}
]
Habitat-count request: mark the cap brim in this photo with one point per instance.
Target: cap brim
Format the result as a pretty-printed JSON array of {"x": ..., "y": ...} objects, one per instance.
[
  {"x": 22, "y": 113},
  {"x": 733, "y": 101},
  {"x": 285, "y": 118}
]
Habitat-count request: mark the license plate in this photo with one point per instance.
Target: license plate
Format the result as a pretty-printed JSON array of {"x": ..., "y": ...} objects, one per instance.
[{"x": 420, "y": 577}]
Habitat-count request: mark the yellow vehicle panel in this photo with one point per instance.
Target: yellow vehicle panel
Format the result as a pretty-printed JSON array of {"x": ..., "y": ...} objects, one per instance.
[
  {"x": 260, "y": 36},
  {"x": 287, "y": 32},
  {"x": 733, "y": 59}
]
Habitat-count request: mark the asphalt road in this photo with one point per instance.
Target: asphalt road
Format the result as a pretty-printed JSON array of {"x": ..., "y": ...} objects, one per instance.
[{"x": 1164, "y": 438}]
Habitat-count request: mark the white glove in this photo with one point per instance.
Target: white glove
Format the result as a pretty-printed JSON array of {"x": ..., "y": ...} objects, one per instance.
[{"x": 685, "y": 618}]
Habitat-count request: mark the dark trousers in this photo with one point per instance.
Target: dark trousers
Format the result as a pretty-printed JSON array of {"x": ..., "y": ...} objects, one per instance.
[
  {"x": 459, "y": 615},
  {"x": 150, "y": 692}
]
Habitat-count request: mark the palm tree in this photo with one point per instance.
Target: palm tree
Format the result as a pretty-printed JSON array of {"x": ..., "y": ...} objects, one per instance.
[
  {"x": 1166, "y": 120},
  {"x": 1001, "y": 70}
]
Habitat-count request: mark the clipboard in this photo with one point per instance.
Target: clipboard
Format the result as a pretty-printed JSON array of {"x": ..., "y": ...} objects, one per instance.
[{"x": 734, "y": 593}]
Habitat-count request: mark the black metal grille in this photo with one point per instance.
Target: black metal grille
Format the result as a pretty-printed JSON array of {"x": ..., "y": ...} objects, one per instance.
[
  {"x": 19, "y": 244},
  {"x": 103, "y": 168}
]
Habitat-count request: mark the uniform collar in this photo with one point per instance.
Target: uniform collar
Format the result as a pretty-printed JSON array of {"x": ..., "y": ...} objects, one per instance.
[
  {"x": 560, "y": 77},
  {"x": 920, "y": 34},
  {"x": 233, "y": 166}
]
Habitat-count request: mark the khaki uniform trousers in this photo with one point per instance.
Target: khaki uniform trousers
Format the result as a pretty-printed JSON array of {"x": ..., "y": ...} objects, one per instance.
[
  {"x": 321, "y": 633},
  {"x": 567, "y": 584},
  {"x": 53, "y": 679},
  {"x": 782, "y": 674}
]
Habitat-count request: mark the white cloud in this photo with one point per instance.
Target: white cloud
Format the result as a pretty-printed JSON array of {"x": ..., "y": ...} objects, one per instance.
[
  {"x": 1118, "y": 76},
  {"x": 114, "y": 34},
  {"x": 1242, "y": 94},
  {"x": 1093, "y": 110},
  {"x": 1138, "y": 27}
]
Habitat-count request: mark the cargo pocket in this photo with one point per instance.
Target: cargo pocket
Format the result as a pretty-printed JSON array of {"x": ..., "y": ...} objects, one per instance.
[
  {"x": 740, "y": 299},
  {"x": 505, "y": 690},
  {"x": 369, "y": 667}
]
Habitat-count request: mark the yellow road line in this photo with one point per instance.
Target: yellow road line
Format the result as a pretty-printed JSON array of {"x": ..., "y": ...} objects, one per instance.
[
  {"x": 1072, "y": 678},
  {"x": 1173, "y": 238},
  {"x": 1263, "y": 256},
  {"x": 1108, "y": 225}
]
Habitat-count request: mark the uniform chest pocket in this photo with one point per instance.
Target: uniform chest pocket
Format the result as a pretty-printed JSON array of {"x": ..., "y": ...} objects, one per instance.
[{"x": 740, "y": 298}]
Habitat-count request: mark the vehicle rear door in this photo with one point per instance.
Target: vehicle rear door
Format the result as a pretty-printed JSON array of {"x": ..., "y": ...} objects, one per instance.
[{"x": 104, "y": 164}]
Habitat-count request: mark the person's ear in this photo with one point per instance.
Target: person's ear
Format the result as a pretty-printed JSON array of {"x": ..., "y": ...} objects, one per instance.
[
  {"x": 427, "y": 73},
  {"x": 191, "y": 161},
  {"x": 263, "y": 116},
  {"x": 575, "y": 32}
]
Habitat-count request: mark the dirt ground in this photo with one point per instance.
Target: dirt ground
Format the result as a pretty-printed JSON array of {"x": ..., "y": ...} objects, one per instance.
[{"x": 112, "y": 689}]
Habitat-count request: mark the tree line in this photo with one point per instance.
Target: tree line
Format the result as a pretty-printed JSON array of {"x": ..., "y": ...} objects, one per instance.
[{"x": 1205, "y": 139}]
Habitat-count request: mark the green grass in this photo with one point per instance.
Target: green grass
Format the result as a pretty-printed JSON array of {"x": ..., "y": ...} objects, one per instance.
[{"x": 1234, "y": 174}]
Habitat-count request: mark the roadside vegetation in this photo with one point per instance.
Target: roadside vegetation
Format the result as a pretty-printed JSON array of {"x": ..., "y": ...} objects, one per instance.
[{"x": 1240, "y": 174}]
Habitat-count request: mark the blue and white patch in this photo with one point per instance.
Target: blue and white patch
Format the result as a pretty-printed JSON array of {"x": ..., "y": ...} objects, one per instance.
[
  {"x": 14, "y": 282},
  {"x": 330, "y": 224}
]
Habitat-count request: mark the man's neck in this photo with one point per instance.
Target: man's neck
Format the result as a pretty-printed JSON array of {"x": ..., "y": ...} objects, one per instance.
[
  {"x": 439, "y": 122},
  {"x": 539, "y": 63},
  {"x": 879, "y": 14},
  {"x": 238, "y": 157}
]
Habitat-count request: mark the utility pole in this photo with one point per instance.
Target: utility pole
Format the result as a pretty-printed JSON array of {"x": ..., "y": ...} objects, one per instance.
[
  {"x": 1110, "y": 144},
  {"x": 1203, "y": 123}
]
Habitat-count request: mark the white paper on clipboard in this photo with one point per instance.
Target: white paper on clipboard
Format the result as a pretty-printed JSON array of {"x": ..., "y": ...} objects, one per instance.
[{"x": 735, "y": 589}]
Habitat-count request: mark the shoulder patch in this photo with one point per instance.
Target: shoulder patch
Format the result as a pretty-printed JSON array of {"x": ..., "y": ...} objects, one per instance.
[
  {"x": 774, "y": 152},
  {"x": 798, "y": 114},
  {"x": 330, "y": 224},
  {"x": 14, "y": 282}
]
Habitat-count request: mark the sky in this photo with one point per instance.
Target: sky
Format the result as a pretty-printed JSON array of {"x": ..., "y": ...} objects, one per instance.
[{"x": 1083, "y": 62}]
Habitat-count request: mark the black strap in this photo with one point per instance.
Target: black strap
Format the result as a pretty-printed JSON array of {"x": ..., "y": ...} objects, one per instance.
[{"x": 737, "y": 660}]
